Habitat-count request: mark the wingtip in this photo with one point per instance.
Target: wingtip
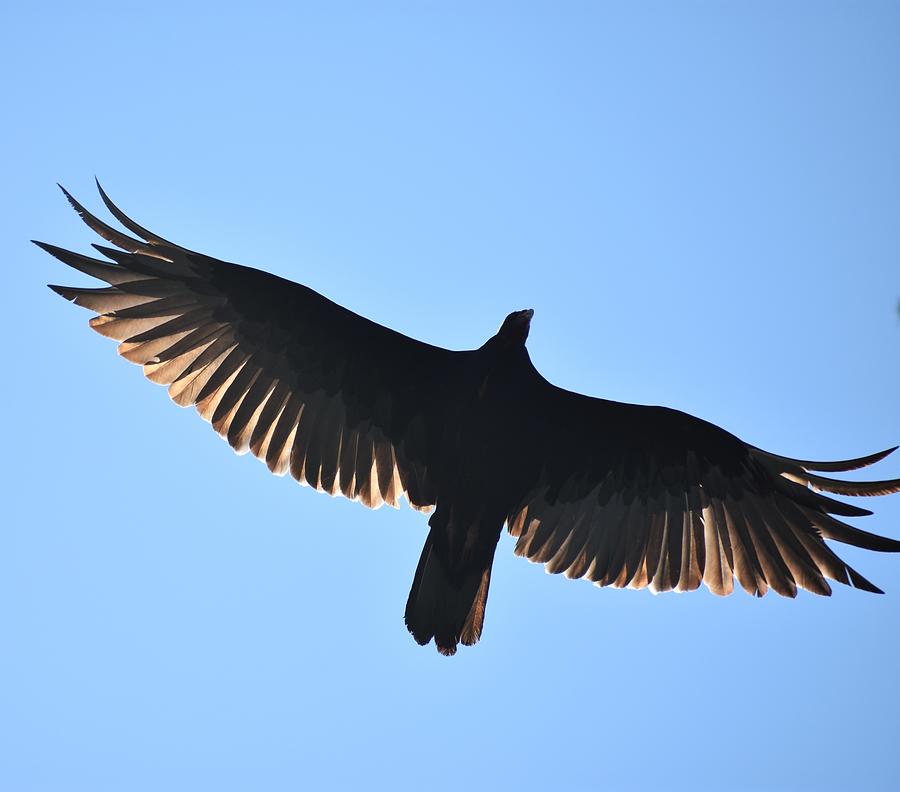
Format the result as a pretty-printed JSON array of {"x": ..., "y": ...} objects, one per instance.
[
  {"x": 107, "y": 200},
  {"x": 55, "y": 251},
  {"x": 72, "y": 201},
  {"x": 834, "y": 466},
  {"x": 877, "y": 457},
  {"x": 862, "y": 583},
  {"x": 852, "y": 464}
]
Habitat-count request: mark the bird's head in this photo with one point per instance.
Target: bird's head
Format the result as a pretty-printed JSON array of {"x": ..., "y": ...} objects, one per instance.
[{"x": 514, "y": 330}]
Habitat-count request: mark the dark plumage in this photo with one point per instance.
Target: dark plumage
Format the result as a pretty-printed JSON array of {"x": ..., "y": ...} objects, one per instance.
[{"x": 620, "y": 494}]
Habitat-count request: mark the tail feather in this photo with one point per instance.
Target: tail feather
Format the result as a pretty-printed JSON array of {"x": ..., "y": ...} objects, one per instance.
[{"x": 448, "y": 609}]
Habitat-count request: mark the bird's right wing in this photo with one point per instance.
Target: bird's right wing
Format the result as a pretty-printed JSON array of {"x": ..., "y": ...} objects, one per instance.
[
  {"x": 343, "y": 404},
  {"x": 639, "y": 496}
]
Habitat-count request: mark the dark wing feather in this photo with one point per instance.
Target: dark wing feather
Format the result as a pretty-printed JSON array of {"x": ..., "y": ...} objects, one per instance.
[
  {"x": 651, "y": 497},
  {"x": 307, "y": 386}
]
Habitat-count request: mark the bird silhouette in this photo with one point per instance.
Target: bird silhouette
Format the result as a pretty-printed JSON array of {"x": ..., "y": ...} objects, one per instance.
[{"x": 619, "y": 494}]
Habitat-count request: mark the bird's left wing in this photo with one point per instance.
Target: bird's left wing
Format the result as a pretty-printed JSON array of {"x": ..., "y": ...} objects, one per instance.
[
  {"x": 638, "y": 496},
  {"x": 343, "y": 404}
]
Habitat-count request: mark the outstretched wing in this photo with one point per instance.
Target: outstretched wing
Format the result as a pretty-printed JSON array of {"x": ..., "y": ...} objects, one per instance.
[
  {"x": 651, "y": 497},
  {"x": 342, "y": 403}
]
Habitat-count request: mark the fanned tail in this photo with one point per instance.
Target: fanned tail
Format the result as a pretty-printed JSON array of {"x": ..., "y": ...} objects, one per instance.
[{"x": 447, "y": 607}]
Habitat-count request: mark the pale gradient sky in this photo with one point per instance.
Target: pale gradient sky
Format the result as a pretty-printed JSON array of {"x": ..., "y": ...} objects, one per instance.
[{"x": 699, "y": 200}]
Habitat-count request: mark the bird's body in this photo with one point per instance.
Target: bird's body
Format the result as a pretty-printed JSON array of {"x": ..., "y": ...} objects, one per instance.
[{"x": 619, "y": 494}]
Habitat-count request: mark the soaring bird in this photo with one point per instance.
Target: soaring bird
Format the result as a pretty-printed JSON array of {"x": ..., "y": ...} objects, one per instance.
[{"x": 620, "y": 494}]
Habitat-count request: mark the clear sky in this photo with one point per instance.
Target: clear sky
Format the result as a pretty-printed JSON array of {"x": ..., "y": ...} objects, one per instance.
[{"x": 701, "y": 203}]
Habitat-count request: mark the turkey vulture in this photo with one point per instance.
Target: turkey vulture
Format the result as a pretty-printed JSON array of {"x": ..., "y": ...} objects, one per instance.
[{"x": 620, "y": 494}]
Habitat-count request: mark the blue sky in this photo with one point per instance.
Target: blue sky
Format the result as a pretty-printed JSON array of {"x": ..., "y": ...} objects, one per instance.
[{"x": 700, "y": 202}]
